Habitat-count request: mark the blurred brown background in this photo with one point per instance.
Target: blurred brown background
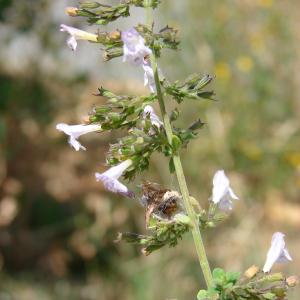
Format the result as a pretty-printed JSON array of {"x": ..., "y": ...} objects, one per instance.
[{"x": 57, "y": 225}]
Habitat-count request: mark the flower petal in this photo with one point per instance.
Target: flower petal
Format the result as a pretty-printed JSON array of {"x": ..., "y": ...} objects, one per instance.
[
  {"x": 220, "y": 186},
  {"x": 148, "y": 110},
  {"x": 117, "y": 171},
  {"x": 75, "y": 144},
  {"x": 134, "y": 49},
  {"x": 75, "y": 131},
  {"x": 113, "y": 185},
  {"x": 149, "y": 77},
  {"x": 72, "y": 43},
  {"x": 277, "y": 252}
]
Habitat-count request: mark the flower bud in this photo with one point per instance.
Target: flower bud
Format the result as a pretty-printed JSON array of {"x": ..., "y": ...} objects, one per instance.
[
  {"x": 292, "y": 281},
  {"x": 71, "y": 11},
  {"x": 251, "y": 272},
  {"x": 86, "y": 120},
  {"x": 145, "y": 251},
  {"x": 115, "y": 35}
]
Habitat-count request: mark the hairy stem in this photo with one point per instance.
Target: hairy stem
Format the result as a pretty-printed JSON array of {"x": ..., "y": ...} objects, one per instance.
[{"x": 179, "y": 171}]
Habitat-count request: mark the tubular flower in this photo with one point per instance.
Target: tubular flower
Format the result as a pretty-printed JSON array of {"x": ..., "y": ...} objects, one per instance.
[
  {"x": 148, "y": 110},
  {"x": 222, "y": 192},
  {"x": 277, "y": 253},
  {"x": 134, "y": 49},
  {"x": 77, "y": 34},
  {"x": 149, "y": 76},
  {"x": 110, "y": 178},
  {"x": 75, "y": 131}
]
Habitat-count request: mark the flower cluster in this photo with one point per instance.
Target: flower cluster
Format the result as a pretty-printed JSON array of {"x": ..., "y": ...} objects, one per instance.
[{"x": 168, "y": 213}]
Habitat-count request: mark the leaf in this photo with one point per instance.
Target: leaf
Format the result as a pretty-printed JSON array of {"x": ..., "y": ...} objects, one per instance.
[
  {"x": 218, "y": 273},
  {"x": 176, "y": 143},
  {"x": 171, "y": 166},
  {"x": 174, "y": 115},
  {"x": 210, "y": 294},
  {"x": 269, "y": 296},
  {"x": 202, "y": 295},
  {"x": 219, "y": 276},
  {"x": 184, "y": 219},
  {"x": 233, "y": 277}
]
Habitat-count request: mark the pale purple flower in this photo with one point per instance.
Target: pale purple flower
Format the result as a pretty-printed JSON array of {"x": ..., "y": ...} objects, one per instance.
[
  {"x": 222, "y": 193},
  {"x": 134, "y": 49},
  {"x": 110, "y": 178},
  {"x": 149, "y": 76},
  {"x": 77, "y": 34},
  {"x": 277, "y": 253},
  {"x": 149, "y": 111},
  {"x": 75, "y": 131}
]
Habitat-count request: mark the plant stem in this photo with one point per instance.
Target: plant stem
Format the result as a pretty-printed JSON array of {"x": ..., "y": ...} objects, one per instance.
[{"x": 179, "y": 171}]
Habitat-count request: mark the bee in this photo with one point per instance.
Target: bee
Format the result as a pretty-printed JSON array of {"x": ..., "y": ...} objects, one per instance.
[{"x": 163, "y": 203}]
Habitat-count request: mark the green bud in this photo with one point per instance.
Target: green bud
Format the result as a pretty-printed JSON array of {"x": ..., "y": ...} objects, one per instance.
[
  {"x": 174, "y": 115},
  {"x": 89, "y": 5},
  {"x": 139, "y": 140},
  {"x": 114, "y": 116},
  {"x": 112, "y": 53},
  {"x": 102, "y": 109},
  {"x": 176, "y": 143}
]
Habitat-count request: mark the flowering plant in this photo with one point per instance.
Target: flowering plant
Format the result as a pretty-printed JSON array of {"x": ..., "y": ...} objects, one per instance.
[{"x": 169, "y": 214}]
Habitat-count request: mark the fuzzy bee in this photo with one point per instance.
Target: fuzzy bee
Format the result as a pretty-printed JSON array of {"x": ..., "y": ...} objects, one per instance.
[{"x": 163, "y": 203}]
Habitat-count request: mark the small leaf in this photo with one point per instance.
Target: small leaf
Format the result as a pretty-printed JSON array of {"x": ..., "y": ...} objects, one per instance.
[
  {"x": 174, "y": 115},
  {"x": 269, "y": 296},
  {"x": 171, "y": 166},
  {"x": 219, "y": 276},
  {"x": 218, "y": 273},
  {"x": 184, "y": 219},
  {"x": 233, "y": 276},
  {"x": 202, "y": 295},
  {"x": 176, "y": 143},
  {"x": 211, "y": 294}
]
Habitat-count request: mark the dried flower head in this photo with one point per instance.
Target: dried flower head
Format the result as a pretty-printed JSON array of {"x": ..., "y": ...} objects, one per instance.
[{"x": 162, "y": 203}]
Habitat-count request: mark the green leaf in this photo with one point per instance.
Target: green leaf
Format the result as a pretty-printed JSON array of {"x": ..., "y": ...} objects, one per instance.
[
  {"x": 176, "y": 143},
  {"x": 269, "y": 296},
  {"x": 210, "y": 294},
  {"x": 233, "y": 277},
  {"x": 184, "y": 219},
  {"x": 218, "y": 273},
  {"x": 202, "y": 295},
  {"x": 90, "y": 5},
  {"x": 171, "y": 166},
  {"x": 174, "y": 115},
  {"x": 219, "y": 276}
]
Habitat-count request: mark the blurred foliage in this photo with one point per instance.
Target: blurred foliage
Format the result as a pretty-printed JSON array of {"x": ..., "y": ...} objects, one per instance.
[{"x": 57, "y": 225}]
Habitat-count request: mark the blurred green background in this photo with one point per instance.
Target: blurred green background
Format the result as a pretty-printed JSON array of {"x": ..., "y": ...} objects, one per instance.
[{"x": 57, "y": 225}]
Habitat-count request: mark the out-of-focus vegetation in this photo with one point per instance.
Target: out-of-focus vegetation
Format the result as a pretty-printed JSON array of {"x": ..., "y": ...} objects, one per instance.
[{"x": 57, "y": 225}]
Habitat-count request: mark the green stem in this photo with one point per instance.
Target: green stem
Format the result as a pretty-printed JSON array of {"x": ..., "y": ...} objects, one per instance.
[{"x": 179, "y": 171}]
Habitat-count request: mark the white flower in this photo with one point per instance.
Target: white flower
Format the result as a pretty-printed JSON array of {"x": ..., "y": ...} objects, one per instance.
[
  {"x": 222, "y": 192},
  {"x": 110, "y": 179},
  {"x": 277, "y": 252},
  {"x": 134, "y": 49},
  {"x": 149, "y": 76},
  {"x": 149, "y": 111},
  {"x": 75, "y": 131},
  {"x": 77, "y": 34}
]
